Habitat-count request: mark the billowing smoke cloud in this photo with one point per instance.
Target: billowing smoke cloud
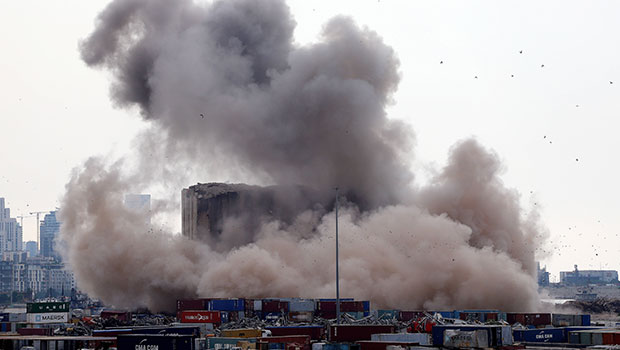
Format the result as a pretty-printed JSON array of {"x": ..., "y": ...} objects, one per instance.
[{"x": 225, "y": 83}]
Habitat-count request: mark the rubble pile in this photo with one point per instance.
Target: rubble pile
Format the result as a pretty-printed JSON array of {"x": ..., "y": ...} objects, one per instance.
[{"x": 597, "y": 306}]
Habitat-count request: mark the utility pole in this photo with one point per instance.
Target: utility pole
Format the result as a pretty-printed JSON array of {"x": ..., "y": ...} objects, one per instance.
[{"x": 337, "y": 267}]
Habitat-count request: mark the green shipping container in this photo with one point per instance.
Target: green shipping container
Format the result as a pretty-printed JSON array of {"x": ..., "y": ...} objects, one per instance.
[{"x": 37, "y": 308}]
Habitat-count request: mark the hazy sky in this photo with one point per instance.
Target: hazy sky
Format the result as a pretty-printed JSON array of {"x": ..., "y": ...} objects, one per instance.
[{"x": 554, "y": 126}]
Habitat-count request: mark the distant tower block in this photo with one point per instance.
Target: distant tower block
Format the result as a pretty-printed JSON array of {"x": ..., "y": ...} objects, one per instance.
[{"x": 208, "y": 208}]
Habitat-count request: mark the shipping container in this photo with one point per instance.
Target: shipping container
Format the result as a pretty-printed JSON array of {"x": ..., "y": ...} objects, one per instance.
[
  {"x": 497, "y": 335},
  {"x": 604, "y": 336},
  {"x": 272, "y": 306},
  {"x": 382, "y": 345},
  {"x": 341, "y": 346},
  {"x": 226, "y": 305},
  {"x": 353, "y": 333},
  {"x": 241, "y": 333},
  {"x": 191, "y": 304},
  {"x": 301, "y": 342},
  {"x": 17, "y": 317},
  {"x": 35, "y": 331},
  {"x": 148, "y": 342},
  {"x": 197, "y": 316},
  {"x": 455, "y": 338},
  {"x": 314, "y": 332},
  {"x": 366, "y": 304},
  {"x": 406, "y": 316},
  {"x": 226, "y": 343},
  {"x": 301, "y": 305},
  {"x": 585, "y": 320},
  {"x": 418, "y": 338},
  {"x": 565, "y": 320},
  {"x": 345, "y": 306},
  {"x": 529, "y": 319},
  {"x": 258, "y": 305},
  {"x": 48, "y": 317},
  {"x": 190, "y": 331},
  {"x": 444, "y": 314},
  {"x": 37, "y": 308},
  {"x": 543, "y": 335}
]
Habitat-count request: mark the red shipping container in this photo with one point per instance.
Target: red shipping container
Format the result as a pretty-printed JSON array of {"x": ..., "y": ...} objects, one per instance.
[
  {"x": 353, "y": 333},
  {"x": 191, "y": 304},
  {"x": 410, "y": 315},
  {"x": 199, "y": 316},
  {"x": 315, "y": 333},
  {"x": 616, "y": 340},
  {"x": 538, "y": 319},
  {"x": 35, "y": 331},
  {"x": 345, "y": 306},
  {"x": 513, "y": 318},
  {"x": 274, "y": 306},
  {"x": 608, "y": 338}
]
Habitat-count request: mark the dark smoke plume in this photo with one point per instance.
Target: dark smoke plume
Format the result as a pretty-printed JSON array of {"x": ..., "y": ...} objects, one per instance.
[{"x": 224, "y": 84}]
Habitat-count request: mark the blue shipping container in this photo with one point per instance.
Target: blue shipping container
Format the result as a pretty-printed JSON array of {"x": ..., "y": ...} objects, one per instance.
[
  {"x": 226, "y": 305},
  {"x": 585, "y": 320},
  {"x": 366, "y": 305},
  {"x": 132, "y": 342},
  {"x": 340, "y": 346},
  {"x": 543, "y": 335},
  {"x": 445, "y": 314}
]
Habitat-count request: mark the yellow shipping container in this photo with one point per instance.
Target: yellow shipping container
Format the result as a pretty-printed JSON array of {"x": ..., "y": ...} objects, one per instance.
[{"x": 242, "y": 333}]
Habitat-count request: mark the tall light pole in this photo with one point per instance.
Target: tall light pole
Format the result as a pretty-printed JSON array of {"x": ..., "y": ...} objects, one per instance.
[{"x": 337, "y": 267}]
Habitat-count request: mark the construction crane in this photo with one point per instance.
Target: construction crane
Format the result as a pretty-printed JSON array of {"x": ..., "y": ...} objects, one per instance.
[
  {"x": 38, "y": 213},
  {"x": 21, "y": 219}
]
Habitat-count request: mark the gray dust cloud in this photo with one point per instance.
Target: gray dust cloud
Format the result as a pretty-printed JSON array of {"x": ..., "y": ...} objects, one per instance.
[{"x": 225, "y": 84}]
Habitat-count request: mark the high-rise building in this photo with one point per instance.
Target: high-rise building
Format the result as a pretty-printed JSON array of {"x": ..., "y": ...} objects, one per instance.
[
  {"x": 31, "y": 248},
  {"x": 10, "y": 230},
  {"x": 50, "y": 227}
]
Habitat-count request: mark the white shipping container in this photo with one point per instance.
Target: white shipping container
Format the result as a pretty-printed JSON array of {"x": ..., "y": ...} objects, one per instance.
[
  {"x": 301, "y": 305},
  {"x": 420, "y": 338},
  {"x": 463, "y": 339},
  {"x": 17, "y": 317},
  {"x": 317, "y": 346},
  {"x": 48, "y": 317}
]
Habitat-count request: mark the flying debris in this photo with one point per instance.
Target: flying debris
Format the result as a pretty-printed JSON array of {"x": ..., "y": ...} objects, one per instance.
[
  {"x": 440, "y": 62},
  {"x": 521, "y": 51},
  {"x": 202, "y": 115}
]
